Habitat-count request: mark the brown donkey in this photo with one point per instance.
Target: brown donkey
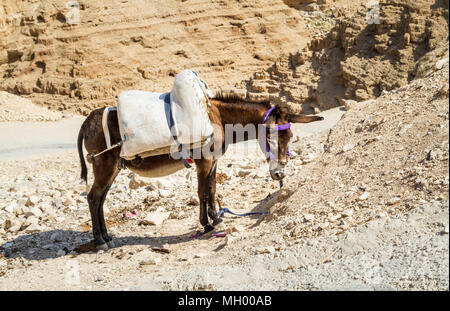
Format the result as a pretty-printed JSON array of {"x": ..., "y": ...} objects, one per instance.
[{"x": 224, "y": 110}]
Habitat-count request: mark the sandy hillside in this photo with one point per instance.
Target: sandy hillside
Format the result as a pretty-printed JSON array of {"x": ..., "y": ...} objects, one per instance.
[{"x": 365, "y": 206}]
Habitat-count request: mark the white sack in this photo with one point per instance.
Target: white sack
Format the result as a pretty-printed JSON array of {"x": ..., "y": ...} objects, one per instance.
[
  {"x": 189, "y": 110},
  {"x": 143, "y": 123},
  {"x": 144, "y": 117}
]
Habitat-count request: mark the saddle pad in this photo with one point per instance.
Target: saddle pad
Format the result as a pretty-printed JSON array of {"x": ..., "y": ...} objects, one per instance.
[{"x": 149, "y": 121}]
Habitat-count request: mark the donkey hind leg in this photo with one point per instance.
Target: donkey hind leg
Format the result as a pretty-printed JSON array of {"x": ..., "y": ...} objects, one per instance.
[
  {"x": 106, "y": 237},
  {"x": 105, "y": 170}
]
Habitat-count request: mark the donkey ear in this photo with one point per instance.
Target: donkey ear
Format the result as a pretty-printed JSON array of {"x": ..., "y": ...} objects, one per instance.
[{"x": 302, "y": 118}]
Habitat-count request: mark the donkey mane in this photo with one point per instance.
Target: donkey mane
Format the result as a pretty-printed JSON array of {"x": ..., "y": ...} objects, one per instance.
[{"x": 233, "y": 98}]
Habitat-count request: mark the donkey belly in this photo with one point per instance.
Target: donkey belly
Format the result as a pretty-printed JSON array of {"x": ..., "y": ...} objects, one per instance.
[{"x": 156, "y": 169}]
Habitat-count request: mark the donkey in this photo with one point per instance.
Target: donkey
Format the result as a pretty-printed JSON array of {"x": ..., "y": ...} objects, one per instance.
[{"x": 224, "y": 109}]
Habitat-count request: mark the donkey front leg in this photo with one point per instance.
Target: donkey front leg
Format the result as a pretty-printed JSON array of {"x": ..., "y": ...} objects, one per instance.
[
  {"x": 212, "y": 212},
  {"x": 206, "y": 173},
  {"x": 203, "y": 169}
]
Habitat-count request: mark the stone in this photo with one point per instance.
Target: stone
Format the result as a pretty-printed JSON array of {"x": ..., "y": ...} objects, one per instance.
[
  {"x": 394, "y": 201},
  {"x": 163, "y": 183},
  {"x": 309, "y": 158},
  {"x": 30, "y": 221},
  {"x": 347, "y": 213},
  {"x": 441, "y": 63},
  {"x": 15, "y": 228},
  {"x": 68, "y": 202},
  {"x": 364, "y": 196},
  {"x": 265, "y": 250},
  {"x": 19, "y": 210},
  {"x": 229, "y": 239},
  {"x": 201, "y": 255},
  {"x": 244, "y": 173},
  {"x": 164, "y": 193},
  {"x": 12, "y": 225},
  {"x": 237, "y": 228},
  {"x": 348, "y": 147},
  {"x": 33, "y": 228},
  {"x": 445, "y": 231},
  {"x": 334, "y": 218},
  {"x": 193, "y": 200},
  {"x": 10, "y": 208},
  {"x": 443, "y": 91},
  {"x": 155, "y": 218},
  {"x": 136, "y": 182},
  {"x": 348, "y": 103},
  {"x": 308, "y": 217},
  {"x": 150, "y": 261},
  {"x": 32, "y": 201},
  {"x": 34, "y": 211},
  {"x": 324, "y": 225}
]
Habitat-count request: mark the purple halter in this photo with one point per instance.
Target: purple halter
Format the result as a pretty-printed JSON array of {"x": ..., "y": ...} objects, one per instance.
[{"x": 281, "y": 127}]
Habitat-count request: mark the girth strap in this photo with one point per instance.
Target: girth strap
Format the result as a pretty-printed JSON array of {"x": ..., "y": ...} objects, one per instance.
[{"x": 185, "y": 158}]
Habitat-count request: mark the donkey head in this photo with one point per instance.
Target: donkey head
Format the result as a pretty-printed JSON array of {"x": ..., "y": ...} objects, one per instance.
[{"x": 276, "y": 136}]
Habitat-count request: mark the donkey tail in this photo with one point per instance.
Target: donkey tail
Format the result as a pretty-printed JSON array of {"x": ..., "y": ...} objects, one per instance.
[{"x": 80, "y": 153}]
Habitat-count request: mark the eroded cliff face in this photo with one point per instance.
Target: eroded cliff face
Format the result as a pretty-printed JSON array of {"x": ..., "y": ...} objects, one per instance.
[
  {"x": 77, "y": 56},
  {"x": 357, "y": 59},
  {"x": 116, "y": 45}
]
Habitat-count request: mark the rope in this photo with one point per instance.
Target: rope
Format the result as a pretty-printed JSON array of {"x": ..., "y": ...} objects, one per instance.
[
  {"x": 112, "y": 147},
  {"x": 226, "y": 210}
]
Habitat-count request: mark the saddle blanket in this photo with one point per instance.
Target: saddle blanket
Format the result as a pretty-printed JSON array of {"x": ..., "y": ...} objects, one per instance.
[{"x": 153, "y": 123}]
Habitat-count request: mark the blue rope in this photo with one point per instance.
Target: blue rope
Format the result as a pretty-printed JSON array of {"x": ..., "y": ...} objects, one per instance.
[{"x": 226, "y": 210}]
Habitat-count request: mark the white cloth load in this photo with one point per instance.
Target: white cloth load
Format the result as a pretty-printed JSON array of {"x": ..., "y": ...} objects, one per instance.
[{"x": 146, "y": 119}]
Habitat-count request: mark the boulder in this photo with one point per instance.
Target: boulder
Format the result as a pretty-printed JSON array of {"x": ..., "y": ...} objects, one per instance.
[{"x": 155, "y": 218}]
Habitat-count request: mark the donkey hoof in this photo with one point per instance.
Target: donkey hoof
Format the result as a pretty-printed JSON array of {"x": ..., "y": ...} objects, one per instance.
[
  {"x": 208, "y": 228},
  {"x": 111, "y": 244},
  {"x": 219, "y": 225},
  {"x": 101, "y": 247}
]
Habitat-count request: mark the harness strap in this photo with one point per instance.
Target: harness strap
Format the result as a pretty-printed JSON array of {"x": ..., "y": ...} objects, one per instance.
[
  {"x": 110, "y": 148},
  {"x": 105, "y": 125},
  {"x": 106, "y": 133},
  {"x": 226, "y": 210},
  {"x": 185, "y": 158},
  {"x": 277, "y": 128}
]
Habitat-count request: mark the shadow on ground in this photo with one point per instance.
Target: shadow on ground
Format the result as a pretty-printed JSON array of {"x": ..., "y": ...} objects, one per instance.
[{"x": 42, "y": 245}]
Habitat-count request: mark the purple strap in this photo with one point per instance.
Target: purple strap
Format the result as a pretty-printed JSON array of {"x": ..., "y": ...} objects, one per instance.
[
  {"x": 267, "y": 114},
  {"x": 281, "y": 127}
]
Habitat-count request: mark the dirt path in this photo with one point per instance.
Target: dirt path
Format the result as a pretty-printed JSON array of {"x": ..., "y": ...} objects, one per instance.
[{"x": 30, "y": 139}]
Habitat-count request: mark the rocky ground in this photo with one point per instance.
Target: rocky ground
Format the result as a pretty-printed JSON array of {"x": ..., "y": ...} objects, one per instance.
[{"x": 364, "y": 206}]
